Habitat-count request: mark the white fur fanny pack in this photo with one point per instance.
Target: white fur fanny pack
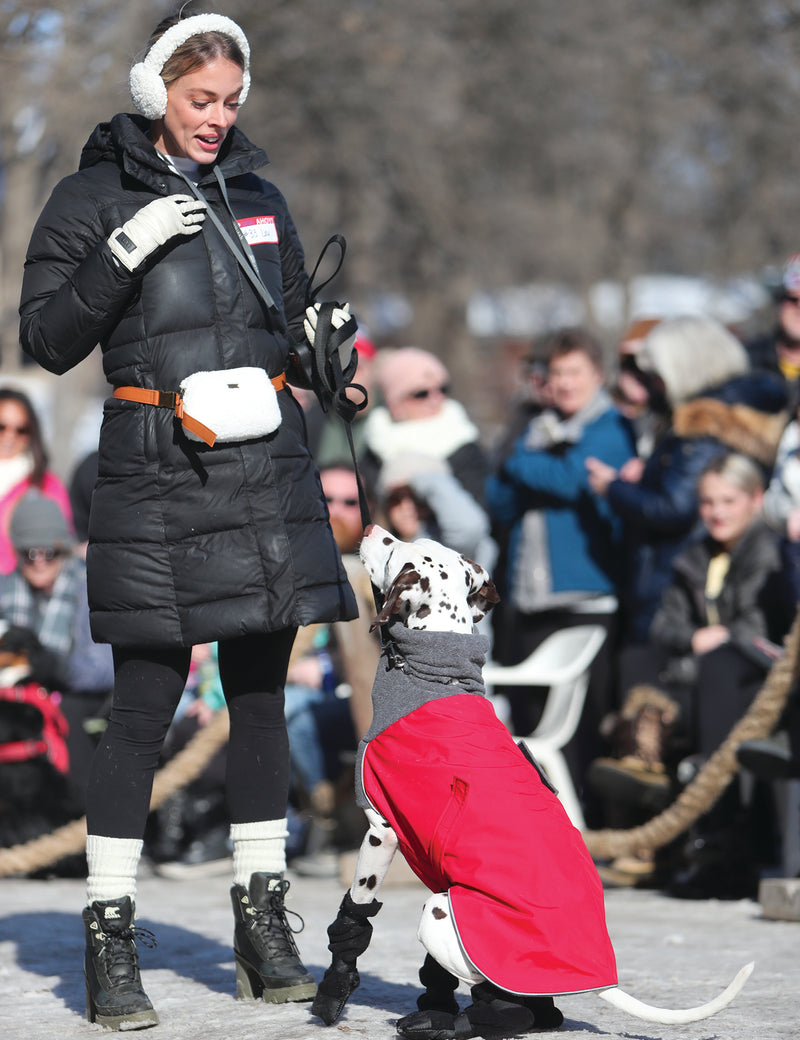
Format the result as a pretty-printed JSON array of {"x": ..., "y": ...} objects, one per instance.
[{"x": 238, "y": 404}]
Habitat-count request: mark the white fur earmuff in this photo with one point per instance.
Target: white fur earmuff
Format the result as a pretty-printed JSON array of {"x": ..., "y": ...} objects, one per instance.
[{"x": 148, "y": 90}]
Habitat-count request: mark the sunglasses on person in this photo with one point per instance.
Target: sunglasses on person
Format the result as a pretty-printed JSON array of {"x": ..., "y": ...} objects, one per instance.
[
  {"x": 349, "y": 502},
  {"x": 48, "y": 554},
  {"x": 423, "y": 395},
  {"x": 20, "y": 431}
]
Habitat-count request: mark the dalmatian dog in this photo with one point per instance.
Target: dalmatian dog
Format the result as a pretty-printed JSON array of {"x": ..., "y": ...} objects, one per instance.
[{"x": 517, "y": 909}]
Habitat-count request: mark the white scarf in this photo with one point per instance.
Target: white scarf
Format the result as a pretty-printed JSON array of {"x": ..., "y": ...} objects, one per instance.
[
  {"x": 14, "y": 470},
  {"x": 439, "y": 436}
]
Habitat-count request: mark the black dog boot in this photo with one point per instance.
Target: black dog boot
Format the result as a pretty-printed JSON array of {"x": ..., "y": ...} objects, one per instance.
[
  {"x": 493, "y": 1013},
  {"x": 268, "y": 962},
  {"x": 440, "y": 987},
  {"x": 114, "y": 995},
  {"x": 349, "y": 936}
]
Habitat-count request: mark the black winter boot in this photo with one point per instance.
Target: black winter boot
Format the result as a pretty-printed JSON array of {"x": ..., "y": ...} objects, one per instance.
[
  {"x": 114, "y": 995},
  {"x": 268, "y": 962}
]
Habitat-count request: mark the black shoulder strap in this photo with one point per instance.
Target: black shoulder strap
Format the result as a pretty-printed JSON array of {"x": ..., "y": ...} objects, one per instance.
[{"x": 242, "y": 252}]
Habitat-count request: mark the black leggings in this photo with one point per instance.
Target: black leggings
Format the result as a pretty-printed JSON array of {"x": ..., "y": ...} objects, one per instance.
[{"x": 148, "y": 684}]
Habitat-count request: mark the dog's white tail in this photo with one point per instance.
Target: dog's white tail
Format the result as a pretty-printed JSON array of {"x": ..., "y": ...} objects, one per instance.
[{"x": 625, "y": 1002}]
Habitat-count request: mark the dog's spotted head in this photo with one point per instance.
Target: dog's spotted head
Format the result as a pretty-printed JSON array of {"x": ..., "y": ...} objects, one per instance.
[{"x": 425, "y": 584}]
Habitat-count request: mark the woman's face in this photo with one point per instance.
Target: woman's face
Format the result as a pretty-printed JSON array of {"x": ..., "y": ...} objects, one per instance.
[
  {"x": 572, "y": 381},
  {"x": 726, "y": 510},
  {"x": 202, "y": 106},
  {"x": 403, "y": 515},
  {"x": 15, "y": 431}
]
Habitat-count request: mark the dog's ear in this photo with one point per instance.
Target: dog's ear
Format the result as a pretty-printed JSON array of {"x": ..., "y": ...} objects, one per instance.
[
  {"x": 482, "y": 601},
  {"x": 401, "y": 588},
  {"x": 481, "y": 594}
]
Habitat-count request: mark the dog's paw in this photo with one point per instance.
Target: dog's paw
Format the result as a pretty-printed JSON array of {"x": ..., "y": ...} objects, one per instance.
[
  {"x": 430, "y": 1025},
  {"x": 333, "y": 993}
]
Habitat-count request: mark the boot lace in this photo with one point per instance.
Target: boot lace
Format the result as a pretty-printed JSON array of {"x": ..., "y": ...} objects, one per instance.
[
  {"x": 120, "y": 951},
  {"x": 271, "y": 926}
]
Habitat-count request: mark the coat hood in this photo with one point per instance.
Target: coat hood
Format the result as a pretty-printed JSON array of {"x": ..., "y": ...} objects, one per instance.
[
  {"x": 691, "y": 355},
  {"x": 124, "y": 141}
]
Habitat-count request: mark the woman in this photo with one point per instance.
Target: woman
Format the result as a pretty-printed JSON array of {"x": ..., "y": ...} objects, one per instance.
[
  {"x": 188, "y": 542},
  {"x": 698, "y": 378},
  {"x": 724, "y": 613},
  {"x": 419, "y": 416},
  {"x": 23, "y": 465},
  {"x": 562, "y": 539}
]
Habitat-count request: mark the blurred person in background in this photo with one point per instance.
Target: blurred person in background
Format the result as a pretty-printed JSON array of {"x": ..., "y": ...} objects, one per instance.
[
  {"x": 23, "y": 465},
  {"x": 563, "y": 539},
  {"x": 419, "y": 416},
  {"x": 779, "y": 350},
  {"x": 714, "y": 637},
  {"x": 44, "y": 603},
  {"x": 697, "y": 375}
]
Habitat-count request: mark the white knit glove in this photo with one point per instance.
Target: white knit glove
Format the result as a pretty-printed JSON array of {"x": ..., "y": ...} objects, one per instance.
[
  {"x": 154, "y": 225},
  {"x": 338, "y": 318}
]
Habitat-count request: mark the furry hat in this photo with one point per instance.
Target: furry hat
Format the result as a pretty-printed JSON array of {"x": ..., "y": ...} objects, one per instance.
[
  {"x": 148, "y": 90},
  {"x": 691, "y": 355}
]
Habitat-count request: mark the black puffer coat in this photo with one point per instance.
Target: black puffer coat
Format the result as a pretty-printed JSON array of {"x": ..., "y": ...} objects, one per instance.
[{"x": 188, "y": 543}]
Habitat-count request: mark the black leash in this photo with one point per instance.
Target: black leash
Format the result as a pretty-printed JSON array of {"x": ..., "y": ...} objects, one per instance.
[{"x": 334, "y": 384}]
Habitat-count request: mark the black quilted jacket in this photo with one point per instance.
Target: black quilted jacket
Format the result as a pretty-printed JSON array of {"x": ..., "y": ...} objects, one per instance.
[{"x": 188, "y": 543}]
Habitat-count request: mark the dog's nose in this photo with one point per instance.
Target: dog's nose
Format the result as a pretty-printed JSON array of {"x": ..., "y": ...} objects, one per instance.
[{"x": 369, "y": 529}]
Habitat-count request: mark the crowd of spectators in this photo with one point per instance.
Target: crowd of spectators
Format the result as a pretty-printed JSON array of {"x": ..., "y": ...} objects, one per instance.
[{"x": 660, "y": 498}]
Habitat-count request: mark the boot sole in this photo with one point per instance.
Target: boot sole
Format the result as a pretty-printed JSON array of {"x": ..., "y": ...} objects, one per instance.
[
  {"x": 134, "y": 1020},
  {"x": 251, "y": 986}
]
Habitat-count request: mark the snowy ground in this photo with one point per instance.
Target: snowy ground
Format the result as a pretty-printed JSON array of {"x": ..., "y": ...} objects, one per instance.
[{"x": 669, "y": 952}]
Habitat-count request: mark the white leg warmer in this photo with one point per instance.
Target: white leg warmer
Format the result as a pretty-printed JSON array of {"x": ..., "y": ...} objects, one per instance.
[
  {"x": 112, "y": 867},
  {"x": 259, "y": 846}
]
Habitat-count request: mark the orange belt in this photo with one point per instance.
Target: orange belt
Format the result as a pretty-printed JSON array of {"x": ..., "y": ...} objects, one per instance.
[{"x": 174, "y": 401}]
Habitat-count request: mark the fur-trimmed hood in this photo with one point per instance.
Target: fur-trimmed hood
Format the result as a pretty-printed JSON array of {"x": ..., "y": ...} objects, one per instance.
[{"x": 739, "y": 427}]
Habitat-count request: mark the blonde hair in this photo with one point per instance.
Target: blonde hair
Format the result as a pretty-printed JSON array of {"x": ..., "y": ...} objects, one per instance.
[{"x": 736, "y": 469}]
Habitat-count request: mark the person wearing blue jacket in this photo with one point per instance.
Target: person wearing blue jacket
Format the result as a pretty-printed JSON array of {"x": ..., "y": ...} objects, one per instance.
[
  {"x": 699, "y": 374},
  {"x": 561, "y": 539}
]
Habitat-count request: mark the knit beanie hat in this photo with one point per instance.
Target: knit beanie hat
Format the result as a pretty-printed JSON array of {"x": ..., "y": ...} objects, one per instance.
[
  {"x": 407, "y": 370},
  {"x": 38, "y": 523}
]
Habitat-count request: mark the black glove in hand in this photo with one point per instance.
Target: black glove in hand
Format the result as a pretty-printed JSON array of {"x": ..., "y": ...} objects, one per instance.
[{"x": 349, "y": 937}]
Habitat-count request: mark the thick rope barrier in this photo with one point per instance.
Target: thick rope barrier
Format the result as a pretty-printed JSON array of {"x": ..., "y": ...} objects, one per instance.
[
  {"x": 705, "y": 789},
  {"x": 70, "y": 839},
  {"x": 695, "y": 800}
]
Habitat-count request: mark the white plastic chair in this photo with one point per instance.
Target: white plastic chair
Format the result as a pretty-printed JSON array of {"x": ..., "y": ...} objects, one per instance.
[{"x": 561, "y": 663}]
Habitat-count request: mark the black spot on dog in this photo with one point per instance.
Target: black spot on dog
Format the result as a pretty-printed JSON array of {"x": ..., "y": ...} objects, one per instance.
[
  {"x": 362, "y": 881},
  {"x": 423, "y": 611},
  {"x": 372, "y": 881},
  {"x": 374, "y": 840},
  {"x": 387, "y": 541},
  {"x": 428, "y": 559},
  {"x": 386, "y": 824},
  {"x": 439, "y": 914},
  {"x": 425, "y": 584},
  {"x": 445, "y": 575}
]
